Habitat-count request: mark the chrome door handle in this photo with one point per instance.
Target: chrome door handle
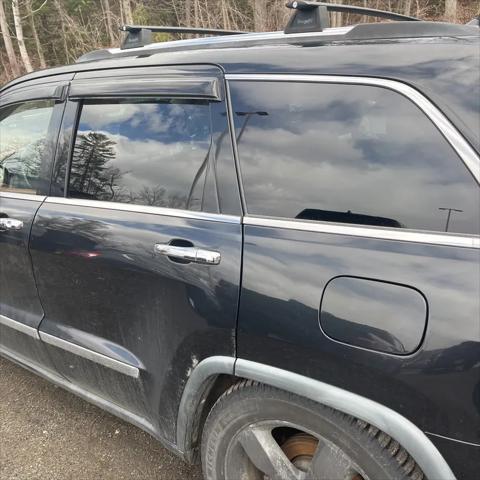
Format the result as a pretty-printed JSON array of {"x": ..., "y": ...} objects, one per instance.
[
  {"x": 190, "y": 254},
  {"x": 10, "y": 224}
]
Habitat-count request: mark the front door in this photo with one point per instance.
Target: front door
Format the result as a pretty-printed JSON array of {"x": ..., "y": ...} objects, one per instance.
[
  {"x": 138, "y": 265},
  {"x": 29, "y": 121}
]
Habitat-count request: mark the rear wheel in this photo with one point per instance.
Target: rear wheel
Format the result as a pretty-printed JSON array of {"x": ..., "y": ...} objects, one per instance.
[{"x": 257, "y": 432}]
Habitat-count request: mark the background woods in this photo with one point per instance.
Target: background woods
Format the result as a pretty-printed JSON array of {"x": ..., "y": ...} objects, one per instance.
[{"x": 42, "y": 33}]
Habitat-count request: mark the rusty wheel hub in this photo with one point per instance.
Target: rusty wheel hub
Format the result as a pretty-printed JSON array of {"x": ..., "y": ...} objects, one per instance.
[{"x": 299, "y": 449}]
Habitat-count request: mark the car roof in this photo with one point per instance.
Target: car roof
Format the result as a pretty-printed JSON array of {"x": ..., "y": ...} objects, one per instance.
[{"x": 445, "y": 67}]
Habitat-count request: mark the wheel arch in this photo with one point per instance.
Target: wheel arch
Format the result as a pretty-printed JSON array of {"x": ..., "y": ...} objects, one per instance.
[{"x": 207, "y": 373}]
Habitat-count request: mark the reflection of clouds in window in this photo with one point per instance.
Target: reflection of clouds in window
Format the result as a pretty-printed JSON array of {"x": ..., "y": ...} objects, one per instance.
[
  {"x": 23, "y": 135},
  {"x": 351, "y": 148},
  {"x": 166, "y": 118},
  {"x": 147, "y": 153},
  {"x": 101, "y": 116},
  {"x": 23, "y": 128}
]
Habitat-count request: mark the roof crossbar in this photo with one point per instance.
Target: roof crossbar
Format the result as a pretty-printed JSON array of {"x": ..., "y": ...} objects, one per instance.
[
  {"x": 141, "y": 35},
  {"x": 313, "y": 16}
]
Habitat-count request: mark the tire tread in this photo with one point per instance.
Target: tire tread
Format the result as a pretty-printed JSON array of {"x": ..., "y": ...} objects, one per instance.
[{"x": 405, "y": 463}]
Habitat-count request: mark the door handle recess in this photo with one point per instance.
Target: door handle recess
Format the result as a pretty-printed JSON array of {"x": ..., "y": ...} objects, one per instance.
[
  {"x": 10, "y": 224},
  {"x": 189, "y": 254}
]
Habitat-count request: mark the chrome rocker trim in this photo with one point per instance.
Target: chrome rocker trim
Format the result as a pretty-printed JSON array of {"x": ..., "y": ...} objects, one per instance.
[
  {"x": 398, "y": 427},
  {"x": 99, "y": 358},
  {"x": 100, "y": 402},
  {"x": 96, "y": 357},
  {"x": 20, "y": 327}
]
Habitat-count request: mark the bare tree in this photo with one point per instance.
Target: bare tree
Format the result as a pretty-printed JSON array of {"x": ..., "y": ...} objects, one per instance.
[
  {"x": 12, "y": 58},
  {"x": 61, "y": 15},
  {"x": 260, "y": 14},
  {"x": 336, "y": 17},
  {"x": 408, "y": 7},
  {"x": 127, "y": 12},
  {"x": 108, "y": 18},
  {"x": 450, "y": 10},
  {"x": 38, "y": 45},
  {"x": 17, "y": 20}
]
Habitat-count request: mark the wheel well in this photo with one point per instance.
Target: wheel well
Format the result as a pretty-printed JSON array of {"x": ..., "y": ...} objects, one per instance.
[
  {"x": 215, "y": 388},
  {"x": 215, "y": 375}
]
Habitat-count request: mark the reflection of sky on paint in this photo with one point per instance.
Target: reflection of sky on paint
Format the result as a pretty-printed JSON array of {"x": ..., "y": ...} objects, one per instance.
[
  {"x": 156, "y": 144},
  {"x": 449, "y": 278},
  {"x": 24, "y": 127},
  {"x": 357, "y": 148}
]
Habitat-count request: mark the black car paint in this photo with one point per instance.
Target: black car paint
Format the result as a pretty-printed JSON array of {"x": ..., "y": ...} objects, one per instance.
[
  {"x": 102, "y": 287},
  {"x": 284, "y": 275},
  {"x": 19, "y": 292},
  {"x": 437, "y": 387}
]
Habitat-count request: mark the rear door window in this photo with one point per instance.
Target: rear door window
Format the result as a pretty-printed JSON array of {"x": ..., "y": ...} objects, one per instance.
[
  {"x": 349, "y": 154},
  {"x": 143, "y": 152}
]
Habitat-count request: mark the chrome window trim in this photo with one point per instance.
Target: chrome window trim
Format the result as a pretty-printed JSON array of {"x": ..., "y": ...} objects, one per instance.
[
  {"x": 20, "y": 327},
  {"x": 23, "y": 196},
  {"x": 434, "y": 238},
  {"x": 233, "y": 140},
  {"x": 468, "y": 155},
  {"x": 128, "y": 207},
  {"x": 96, "y": 357}
]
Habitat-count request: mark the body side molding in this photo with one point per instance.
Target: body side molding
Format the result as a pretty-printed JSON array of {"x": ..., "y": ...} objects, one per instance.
[
  {"x": 140, "y": 422},
  {"x": 96, "y": 357},
  {"x": 400, "y": 428},
  {"x": 20, "y": 327}
]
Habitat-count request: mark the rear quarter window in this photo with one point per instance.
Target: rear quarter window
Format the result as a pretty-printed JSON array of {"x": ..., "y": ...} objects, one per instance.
[{"x": 349, "y": 154}]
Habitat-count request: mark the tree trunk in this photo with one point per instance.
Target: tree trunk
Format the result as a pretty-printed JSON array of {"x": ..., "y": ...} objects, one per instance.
[
  {"x": 108, "y": 17},
  {"x": 188, "y": 13},
  {"x": 408, "y": 7},
  {"x": 127, "y": 11},
  {"x": 260, "y": 15},
  {"x": 6, "y": 74},
  {"x": 337, "y": 17},
  {"x": 17, "y": 20},
  {"x": 60, "y": 11},
  {"x": 38, "y": 45},
  {"x": 450, "y": 10},
  {"x": 196, "y": 13},
  {"x": 12, "y": 58}
]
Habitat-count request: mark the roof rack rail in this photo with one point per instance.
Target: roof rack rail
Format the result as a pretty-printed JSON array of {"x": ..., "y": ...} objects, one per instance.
[
  {"x": 141, "y": 35},
  {"x": 313, "y": 16}
]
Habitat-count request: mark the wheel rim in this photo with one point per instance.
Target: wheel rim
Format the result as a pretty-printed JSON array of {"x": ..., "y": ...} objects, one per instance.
[{"x": 255, "y": 454}]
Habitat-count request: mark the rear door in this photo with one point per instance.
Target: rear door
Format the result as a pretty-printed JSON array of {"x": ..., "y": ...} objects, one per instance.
[
  {"x": 138, "y": 261},
  {"x": 29, "y": 122}
]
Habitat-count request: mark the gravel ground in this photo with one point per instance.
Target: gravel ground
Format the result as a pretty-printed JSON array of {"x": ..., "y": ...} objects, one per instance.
[{"x": 47, "y": 433}]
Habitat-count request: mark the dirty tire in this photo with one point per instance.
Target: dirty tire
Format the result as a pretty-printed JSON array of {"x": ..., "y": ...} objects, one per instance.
[{"x": 248, "y": 402}]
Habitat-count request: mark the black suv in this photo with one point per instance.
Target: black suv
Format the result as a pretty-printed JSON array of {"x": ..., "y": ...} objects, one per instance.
[{"x": 262, "y": 249}]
